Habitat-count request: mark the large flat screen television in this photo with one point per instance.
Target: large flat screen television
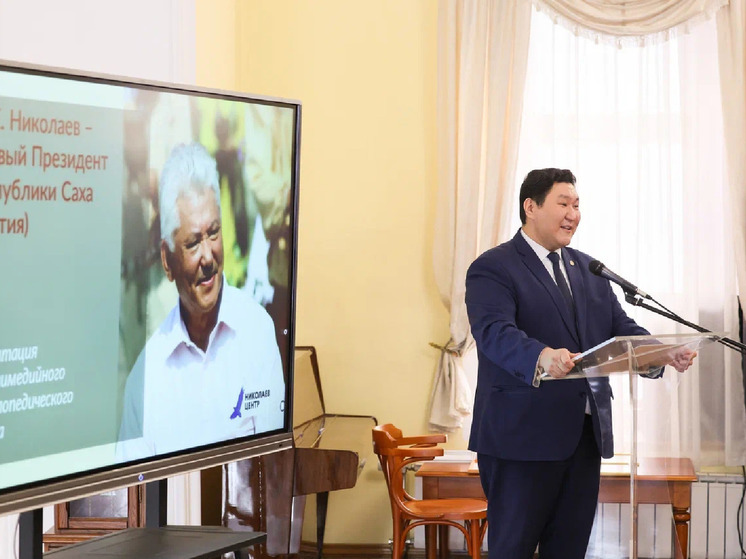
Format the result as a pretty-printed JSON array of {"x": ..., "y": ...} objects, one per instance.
[{"x": 148, "y": 237}]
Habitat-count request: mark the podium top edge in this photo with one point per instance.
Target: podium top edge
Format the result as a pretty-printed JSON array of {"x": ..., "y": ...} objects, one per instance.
[{"x": 673, "y": 337}]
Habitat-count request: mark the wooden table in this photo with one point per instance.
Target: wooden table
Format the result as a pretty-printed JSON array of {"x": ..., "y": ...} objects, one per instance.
[{"x": 659, "y": 481}]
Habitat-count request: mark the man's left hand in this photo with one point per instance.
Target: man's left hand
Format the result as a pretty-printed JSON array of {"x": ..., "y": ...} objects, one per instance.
[{"x": 683, "y": 359}]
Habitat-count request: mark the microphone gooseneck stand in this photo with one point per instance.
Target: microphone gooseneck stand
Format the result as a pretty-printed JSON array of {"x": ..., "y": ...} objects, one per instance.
[{"x": 634, "y": 299}]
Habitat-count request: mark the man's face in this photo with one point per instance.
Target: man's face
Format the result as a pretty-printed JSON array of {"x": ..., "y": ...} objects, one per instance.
[
  {"x": 196, "y": 264},
  {"x": 553, "y": 223}
]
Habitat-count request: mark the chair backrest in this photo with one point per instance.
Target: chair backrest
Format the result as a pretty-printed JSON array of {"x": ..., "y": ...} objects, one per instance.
[{"x": 395, "y": 452}]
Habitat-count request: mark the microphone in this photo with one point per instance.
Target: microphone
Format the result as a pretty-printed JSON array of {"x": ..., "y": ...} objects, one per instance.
[{"x": 599, "y": 269}]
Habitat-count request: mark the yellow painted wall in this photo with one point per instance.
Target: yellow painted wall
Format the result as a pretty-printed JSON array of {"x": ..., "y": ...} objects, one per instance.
[
  {"x": 215, "y": 44},
  {"x": 365, "y": 72}
]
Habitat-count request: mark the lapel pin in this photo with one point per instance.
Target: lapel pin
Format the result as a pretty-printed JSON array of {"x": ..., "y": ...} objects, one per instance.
[{"x": 572, "y": 262}]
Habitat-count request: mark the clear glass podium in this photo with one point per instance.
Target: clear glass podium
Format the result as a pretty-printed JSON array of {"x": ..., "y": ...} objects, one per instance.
[{"x": 649, "y": 473}]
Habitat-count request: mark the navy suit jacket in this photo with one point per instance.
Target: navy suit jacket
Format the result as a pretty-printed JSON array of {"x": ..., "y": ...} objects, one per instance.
[{"x": 516, "y": 310}]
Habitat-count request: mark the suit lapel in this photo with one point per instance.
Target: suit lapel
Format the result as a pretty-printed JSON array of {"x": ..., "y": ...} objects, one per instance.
[{"x": 535, "y": 266}]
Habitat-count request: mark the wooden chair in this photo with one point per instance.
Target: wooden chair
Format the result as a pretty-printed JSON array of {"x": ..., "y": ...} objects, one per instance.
[{"x": 395, "y": 452}]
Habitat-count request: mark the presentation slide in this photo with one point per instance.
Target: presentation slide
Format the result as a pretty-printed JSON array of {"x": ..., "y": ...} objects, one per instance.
[{"x": 147, "y": 238}]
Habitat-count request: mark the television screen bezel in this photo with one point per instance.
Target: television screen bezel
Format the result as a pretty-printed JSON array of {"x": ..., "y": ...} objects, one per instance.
[{"x": 53, "y": 490}]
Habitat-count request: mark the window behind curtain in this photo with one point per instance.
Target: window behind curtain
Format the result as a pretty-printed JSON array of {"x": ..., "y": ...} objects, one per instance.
[{"x": 641, "y": 128}]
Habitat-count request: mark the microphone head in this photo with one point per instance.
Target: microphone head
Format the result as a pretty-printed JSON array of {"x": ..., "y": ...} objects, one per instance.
[{"x": 596, "y": 267}]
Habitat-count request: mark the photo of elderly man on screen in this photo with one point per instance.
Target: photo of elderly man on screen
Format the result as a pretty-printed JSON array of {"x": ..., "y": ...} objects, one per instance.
[{"x": 212, "y": 370}]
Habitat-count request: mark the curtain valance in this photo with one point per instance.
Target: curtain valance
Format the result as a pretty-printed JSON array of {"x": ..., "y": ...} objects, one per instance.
[{"x": 629, "y": 21}]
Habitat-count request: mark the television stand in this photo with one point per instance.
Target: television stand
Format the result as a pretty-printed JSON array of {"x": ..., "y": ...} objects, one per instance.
[
  {"x": 167, "y": 542},
  {"x": 154, "y": 541}
]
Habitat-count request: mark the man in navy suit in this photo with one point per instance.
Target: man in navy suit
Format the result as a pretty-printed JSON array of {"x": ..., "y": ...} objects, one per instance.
[{"x": 533, "y": 305}]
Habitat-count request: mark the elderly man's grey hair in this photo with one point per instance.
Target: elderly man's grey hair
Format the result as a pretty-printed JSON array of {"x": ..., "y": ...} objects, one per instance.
[{"x": 188, "y": 170}]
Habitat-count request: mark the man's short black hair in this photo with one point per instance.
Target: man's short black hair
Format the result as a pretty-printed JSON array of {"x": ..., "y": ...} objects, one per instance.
[{"x": 538, "y": 183}]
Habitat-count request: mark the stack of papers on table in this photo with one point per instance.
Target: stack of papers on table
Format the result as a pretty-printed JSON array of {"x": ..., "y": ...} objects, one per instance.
[{"x": 457, "y": 456}]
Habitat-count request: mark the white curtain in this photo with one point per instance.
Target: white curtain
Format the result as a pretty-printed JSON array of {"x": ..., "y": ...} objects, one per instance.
[
  {"x": 731, "y": 26},
  {"x": 642, "y": 129},
  {"x": 482, "y": 53}
]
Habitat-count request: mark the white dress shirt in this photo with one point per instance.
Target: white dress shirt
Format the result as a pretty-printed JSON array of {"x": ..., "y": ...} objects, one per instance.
[
  {"x": 543, "y": 255},
  {"x": 178, "y": 396}
]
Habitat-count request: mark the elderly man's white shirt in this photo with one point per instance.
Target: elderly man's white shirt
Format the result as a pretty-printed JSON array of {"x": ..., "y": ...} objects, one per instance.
[{"x": 178, "y": 396}]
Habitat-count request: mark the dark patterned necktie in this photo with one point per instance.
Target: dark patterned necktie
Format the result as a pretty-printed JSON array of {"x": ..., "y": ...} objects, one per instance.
[{"x": 560, "y": 279}]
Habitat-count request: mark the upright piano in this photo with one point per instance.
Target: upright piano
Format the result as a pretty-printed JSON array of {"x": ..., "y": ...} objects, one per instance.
[{"x": 268, "y": 493}]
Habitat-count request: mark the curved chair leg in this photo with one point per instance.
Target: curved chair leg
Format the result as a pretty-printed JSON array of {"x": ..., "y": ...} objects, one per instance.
[
  {"x": 475, "y": 539},
  {"x": 482, "y": 529},
  {"x": 400, "y": 534}
]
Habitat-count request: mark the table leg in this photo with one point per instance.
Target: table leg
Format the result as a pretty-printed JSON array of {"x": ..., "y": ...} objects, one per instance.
[
  {"x": 322, "y": 505},
  {"x": 681, "y": 519},
  {"x": 430, "y": 541},
  {"x": 443, "y": 541}
]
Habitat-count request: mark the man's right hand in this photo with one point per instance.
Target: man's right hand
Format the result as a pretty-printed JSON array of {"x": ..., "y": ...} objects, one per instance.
[{"x": 556, "y": 362}]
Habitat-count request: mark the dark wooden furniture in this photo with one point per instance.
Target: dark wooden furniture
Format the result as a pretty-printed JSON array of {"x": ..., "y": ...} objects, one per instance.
[
  {"x": 396, "y": 452},
  {"x": 167, "y": 542},
  {"x": 659, "y": 481},
  {"x": 267, "y": 493},
  {"x": 84, "y": 519}
]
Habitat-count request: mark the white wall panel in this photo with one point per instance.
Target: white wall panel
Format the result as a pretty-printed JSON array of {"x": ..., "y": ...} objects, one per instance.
[{"x": 149, "y": 39}]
